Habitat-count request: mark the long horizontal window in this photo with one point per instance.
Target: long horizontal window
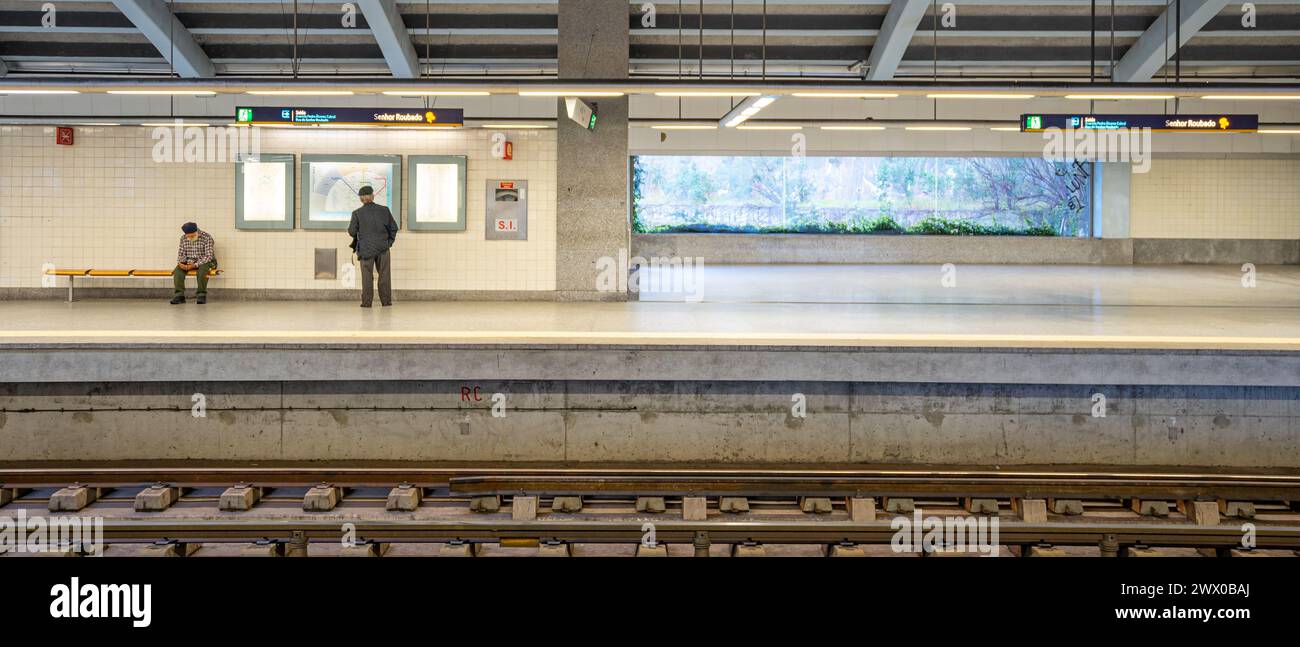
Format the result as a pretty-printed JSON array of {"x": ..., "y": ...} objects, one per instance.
[{"x": 861, "y": 195}]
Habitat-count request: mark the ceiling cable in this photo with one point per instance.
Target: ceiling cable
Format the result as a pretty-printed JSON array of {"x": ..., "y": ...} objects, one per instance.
[
  {"x": 934, "y": 27},
  {"x": 1178, "y": 41},
  {"x": 1165, "y": 67},
  {"x": 680, "y": 52},
  {"x": 1110, "y": 70}
]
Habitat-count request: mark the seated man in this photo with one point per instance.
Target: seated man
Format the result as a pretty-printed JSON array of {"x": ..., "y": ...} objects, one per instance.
[{"x": 197, "y": 252}]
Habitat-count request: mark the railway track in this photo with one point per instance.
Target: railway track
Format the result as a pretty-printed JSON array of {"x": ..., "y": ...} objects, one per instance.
[
  {"x": 707, "y": 480},
  {"x": 677, "y": 532},
  {"x": 1112, "y": 510}
]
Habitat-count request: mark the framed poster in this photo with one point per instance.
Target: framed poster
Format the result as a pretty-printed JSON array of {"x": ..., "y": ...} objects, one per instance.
[
  {"x": 264, "y": 192},
  {"x": 330, "y": 184},
  {"x": 507, "y": 210},
  {"x": 437, "y": 193}
]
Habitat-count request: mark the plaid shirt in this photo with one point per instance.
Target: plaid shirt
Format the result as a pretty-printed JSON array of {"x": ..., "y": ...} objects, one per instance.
[{"x": 198, "y": 251}]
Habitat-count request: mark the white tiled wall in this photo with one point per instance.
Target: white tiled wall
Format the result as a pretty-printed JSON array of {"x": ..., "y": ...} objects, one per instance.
[
  {"x": 104, "y": 203},
  {"x": 1217, "y": 198}
]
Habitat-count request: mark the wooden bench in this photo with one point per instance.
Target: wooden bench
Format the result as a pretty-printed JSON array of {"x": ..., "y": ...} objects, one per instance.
[{"x": 88, "y": 273}]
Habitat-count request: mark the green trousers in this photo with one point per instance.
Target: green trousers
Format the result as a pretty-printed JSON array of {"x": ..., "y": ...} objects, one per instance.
[{"x": 178, "y": 279}]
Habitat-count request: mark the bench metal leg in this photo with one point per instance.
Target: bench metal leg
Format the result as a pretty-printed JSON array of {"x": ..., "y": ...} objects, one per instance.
[{"x": 71, "y": 279}]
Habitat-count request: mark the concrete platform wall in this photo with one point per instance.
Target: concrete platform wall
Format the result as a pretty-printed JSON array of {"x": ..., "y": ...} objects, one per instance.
[
  {"x": 600, "y": 421},
  {"x": 721, "y": 249}
]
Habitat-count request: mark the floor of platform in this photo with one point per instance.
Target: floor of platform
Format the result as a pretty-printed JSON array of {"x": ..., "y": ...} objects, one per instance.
[{"x": 1202, "y": 307}]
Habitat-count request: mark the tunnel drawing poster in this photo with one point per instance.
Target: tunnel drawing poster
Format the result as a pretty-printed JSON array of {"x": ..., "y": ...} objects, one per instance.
[{"x": 330, "y": 184}]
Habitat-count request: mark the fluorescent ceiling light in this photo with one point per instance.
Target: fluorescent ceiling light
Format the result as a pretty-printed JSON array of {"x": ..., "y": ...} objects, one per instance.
[
  {"x": 939, "y": 128},
  {"x": 684, "y": 127},
  {"x": 196, "y": 93},
  {"x": 845, "y": 95},
  {"x": 514, "y": 126},
  {"x": 88, "y": 124},
  {"x": 1120, "y": 97},
  {"x": 301, "y": 93},
  {"x": 1280, "y": 131},
  {"x": 569, "y": 93},
  {"x": 852, "y": 127},
  {"x": 1252, "y": 97},
  {"x": 977, "y": 95},
  {"x": 1006, "y": 129},
  {"x": 176, "y": 123},
  {"x": 707, "y": 93},
  {"x": 744, "y": 110},
  {"x": 770, "y": 127},
  {"x": 437, "y": 93},
  {"x": 2, "y": 91}
]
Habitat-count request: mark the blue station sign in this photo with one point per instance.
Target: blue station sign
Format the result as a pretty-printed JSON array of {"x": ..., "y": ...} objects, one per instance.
[
  {"x": 424, "y": 117},
  {"x": 1156, "y": 123}
]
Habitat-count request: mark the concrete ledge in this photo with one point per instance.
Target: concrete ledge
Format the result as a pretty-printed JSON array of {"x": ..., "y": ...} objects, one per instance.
[
  {"x": 1175, "y": 251},
  {"x": 289, "y": 362},
  {"x": 723, "y": 249},
  {"x": 656, "y": 422}
]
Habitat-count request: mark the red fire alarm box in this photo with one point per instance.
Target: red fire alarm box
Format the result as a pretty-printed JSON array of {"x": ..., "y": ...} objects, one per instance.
[
  {"x": 510, "y": 151},
  {"x": 63, "y": 135}
]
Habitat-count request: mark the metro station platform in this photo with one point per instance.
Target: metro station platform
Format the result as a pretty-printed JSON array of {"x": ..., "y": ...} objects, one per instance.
[
  {"x": 1006, "y": 368},
  {"x": 1159, "y": 307}
]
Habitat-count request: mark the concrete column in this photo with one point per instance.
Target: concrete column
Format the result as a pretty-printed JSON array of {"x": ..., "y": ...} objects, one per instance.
[
  {"x": 1112, "y": 189},
  {"x": 1111, "y": 220},
  {"x": 592, "y": 166}
]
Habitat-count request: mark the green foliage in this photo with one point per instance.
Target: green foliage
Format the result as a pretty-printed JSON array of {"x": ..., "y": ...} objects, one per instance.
[
  {"x": 936, "y": 226},
  {"x": 859, "y": 195},
  {"x": 932, "y": 226},
  {"x": 881, "y": 224},
  {"x": 638, "y": 186}
]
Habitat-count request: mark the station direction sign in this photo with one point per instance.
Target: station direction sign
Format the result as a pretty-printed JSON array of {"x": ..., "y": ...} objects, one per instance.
[
  {"x": 1157, "y": 123},
  {"x": 416, "y": 118}
]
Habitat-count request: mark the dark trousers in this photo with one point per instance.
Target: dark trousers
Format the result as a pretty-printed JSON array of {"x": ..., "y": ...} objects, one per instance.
[
  {"x": 201, "y": 273},
  {"x": 368, "y": 265}
]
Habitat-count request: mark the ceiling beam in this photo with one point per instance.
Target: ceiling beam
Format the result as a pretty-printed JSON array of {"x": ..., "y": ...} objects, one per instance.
[
  {"x": 1152, "y": 50},
  {"x": 173, "y": 41},
  {"x": 390, "y": 32},
  {"x": 895, "y": 35}
]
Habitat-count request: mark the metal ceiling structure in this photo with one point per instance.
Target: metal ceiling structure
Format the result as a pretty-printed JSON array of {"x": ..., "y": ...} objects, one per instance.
[{"x": 878, "y": 40}]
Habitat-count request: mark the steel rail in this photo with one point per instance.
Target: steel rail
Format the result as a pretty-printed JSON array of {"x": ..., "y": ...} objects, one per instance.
[
  {"x": 875, "y": 485},
  {"x": 678, "y": 532}
]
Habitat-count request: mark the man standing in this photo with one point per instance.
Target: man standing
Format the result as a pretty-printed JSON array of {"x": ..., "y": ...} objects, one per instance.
[
  {"x": 373, "y": 231},
  {"x": 198, "y": 253}
]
